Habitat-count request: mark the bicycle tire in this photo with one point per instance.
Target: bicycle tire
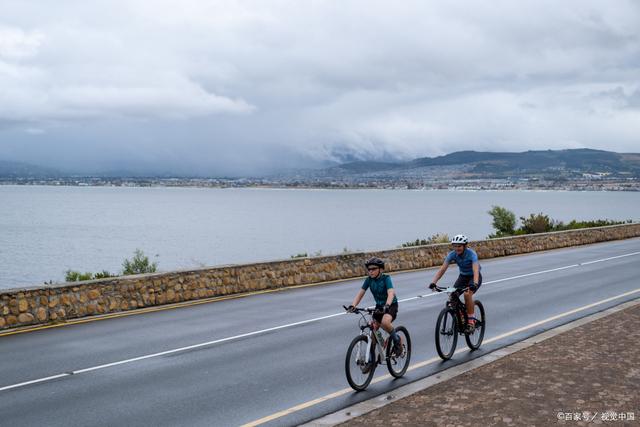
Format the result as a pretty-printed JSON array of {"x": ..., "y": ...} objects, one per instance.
[
  {"x": 474, "y": 340},
  {"x": 354, "y": 370},
  {"x": 398, "y": 365},
  {"x": 446, "y": 328}
]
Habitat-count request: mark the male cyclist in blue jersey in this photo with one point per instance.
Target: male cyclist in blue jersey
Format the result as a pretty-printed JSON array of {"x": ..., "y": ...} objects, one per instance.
[
  {"x": 470, "y": 275},
  {"x": 386, "y": 302}
]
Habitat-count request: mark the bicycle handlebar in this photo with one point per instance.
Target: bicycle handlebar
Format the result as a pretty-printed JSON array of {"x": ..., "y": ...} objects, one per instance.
[
  {"x": 457, "y": 291},
  {"x": 359, "y": 309}
]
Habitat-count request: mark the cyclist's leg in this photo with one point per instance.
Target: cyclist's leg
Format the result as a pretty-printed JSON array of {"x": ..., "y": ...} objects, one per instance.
[
  {"x": 463, "y": 282},
  {"x": 388, "y": 318},
  {"x": 468, "y": 298},
  {"x": 387, "y": 323}
]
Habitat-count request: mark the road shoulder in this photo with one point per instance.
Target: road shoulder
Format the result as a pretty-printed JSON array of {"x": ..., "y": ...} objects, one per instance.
[{"x": 588, "y": 367}]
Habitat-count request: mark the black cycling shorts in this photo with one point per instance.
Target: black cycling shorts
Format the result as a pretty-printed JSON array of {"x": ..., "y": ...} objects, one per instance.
[
  {"x": 464, "y": 281},
  {"x": 393, "y": 311}
]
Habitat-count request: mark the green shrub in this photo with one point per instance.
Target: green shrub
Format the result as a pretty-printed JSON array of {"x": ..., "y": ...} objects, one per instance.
[
  {"x": 436, "y": 238},
  {"x": 300, "y": 255},
  {"x": 574, "y": 225},
  {"x": 102, "y": 275},
  {"x": 139, "y": 264},
  {"x": 76, "y": 276},
  {"x": 538, "y": 223},
  {"x": 504, "y": 223}
]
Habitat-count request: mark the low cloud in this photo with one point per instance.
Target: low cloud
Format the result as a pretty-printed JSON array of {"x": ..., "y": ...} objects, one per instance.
[{"x": 236, "y": 85}]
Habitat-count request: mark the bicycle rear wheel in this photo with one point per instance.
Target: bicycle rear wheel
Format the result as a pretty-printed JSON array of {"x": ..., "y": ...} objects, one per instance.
[
  {"x": 446, "y": 334},
  {"x": 474, "y": 339},
  {"x": 398, "y": 364},
  {"x": 359, "y": 372}
]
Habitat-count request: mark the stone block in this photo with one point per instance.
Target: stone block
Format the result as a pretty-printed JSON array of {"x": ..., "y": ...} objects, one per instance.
[{"x": 26, "y": 318}]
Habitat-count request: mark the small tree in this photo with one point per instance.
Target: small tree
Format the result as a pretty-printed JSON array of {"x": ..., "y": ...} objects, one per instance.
[
  {"x": 538, "y": 223},
  {"x": 138, "y": 265},
  {"x": 504, "y": 221}
]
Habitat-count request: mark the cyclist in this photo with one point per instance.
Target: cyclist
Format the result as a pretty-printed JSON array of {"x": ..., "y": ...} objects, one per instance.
[
  {"x": 470, "y": 275},
  {"x": 386, "y": 302}
]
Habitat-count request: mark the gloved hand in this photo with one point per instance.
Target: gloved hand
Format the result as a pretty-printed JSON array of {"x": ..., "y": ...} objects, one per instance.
[
  {"x": 385, "y": 310},
  {"x": 432, "y": 286},
  {"x": 351, "y": 309}
]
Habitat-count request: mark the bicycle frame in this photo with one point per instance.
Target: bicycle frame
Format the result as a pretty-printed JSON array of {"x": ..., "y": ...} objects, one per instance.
[
  {"x": 368, "y": 328},
  {"x": 457, "y": 305},
  {"x": 360, "y": 367}
]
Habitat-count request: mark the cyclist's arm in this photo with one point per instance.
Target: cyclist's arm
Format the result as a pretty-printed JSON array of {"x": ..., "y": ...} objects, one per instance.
[
  {"x": 476, "y": 272},
  {"x": 390, "y": 295},
  {"x": 358, "y": 297},
  {"x": 440, "y": 271}
]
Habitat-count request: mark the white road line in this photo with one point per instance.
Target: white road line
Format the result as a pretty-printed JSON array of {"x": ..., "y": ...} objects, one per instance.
[
  {"x": 40, "y": 380},
  {"x": 610, "y": 258},
  {"x": 204, "y": 344},
  {"x": 533, "y": 274},
  {"x": 275, "y": 328},
  {"x": 345, "y": 391}
]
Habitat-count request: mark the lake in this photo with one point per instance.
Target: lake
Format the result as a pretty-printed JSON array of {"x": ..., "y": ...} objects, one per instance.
[{"x": 45, "y": 230}]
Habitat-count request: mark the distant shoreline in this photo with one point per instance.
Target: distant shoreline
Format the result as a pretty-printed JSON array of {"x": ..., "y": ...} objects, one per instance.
[{"x": 579, "y": 186}]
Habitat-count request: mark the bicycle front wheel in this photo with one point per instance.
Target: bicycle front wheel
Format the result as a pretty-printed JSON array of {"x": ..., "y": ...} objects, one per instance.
[
  {"x": 359, "y": 371},
  {"x": 474, "y": 339},
  {"x": 446, "y": 334},
  {"x": 398, "y": 362}
]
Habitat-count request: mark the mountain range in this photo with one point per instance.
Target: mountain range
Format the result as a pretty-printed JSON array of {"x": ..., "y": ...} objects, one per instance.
[
  {"x": 502, "y": 164},
  {"x": 461, "y": 164}
]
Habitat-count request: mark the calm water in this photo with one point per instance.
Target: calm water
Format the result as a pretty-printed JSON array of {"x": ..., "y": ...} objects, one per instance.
[{"x": 46, "y": 230}]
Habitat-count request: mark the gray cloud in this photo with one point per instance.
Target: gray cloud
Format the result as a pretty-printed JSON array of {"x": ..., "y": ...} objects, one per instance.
[{"x": 239, "y": 87}]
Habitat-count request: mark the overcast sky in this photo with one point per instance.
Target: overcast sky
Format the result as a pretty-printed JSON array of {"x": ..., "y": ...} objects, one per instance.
[{"x": 236, "y": 87}]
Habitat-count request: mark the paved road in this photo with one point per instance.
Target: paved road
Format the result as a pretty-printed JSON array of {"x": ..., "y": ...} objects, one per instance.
[{"x": 258, "y": 374}]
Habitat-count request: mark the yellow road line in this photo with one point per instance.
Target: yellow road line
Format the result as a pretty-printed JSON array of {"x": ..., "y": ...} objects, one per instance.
[
  {"x": 235, "y": 296},
  {"x": 166, "y": 307},
  {"x": 228, "y": 297},
  {"x": 430, "y": 361}
]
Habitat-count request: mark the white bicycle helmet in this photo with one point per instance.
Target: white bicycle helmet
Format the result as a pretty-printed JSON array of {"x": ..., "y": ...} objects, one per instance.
[{"x": 459, "y": 239}]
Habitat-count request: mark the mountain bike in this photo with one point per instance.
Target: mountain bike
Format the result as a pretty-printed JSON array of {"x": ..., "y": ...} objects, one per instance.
[
  {"x": 371, "y": 347},
  {"x": 453, "y": 320}
]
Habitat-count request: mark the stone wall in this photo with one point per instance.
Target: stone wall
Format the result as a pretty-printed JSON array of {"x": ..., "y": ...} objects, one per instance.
[{"x": 57, "y": 303}]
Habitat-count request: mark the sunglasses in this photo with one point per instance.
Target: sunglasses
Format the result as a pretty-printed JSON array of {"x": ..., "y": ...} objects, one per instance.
[{"x": 373, "y": 268}]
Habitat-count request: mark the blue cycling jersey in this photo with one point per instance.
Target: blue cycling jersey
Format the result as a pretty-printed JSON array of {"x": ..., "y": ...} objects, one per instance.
[{"x": 465, "y": 261}]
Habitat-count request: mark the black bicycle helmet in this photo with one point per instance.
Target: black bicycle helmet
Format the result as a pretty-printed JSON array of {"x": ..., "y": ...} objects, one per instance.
[{"x": 374, "y": 261}]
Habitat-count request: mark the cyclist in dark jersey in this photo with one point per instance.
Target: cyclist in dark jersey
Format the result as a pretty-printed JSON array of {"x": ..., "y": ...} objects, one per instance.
[
  {"x": 470, "y": 276},
  {"x": 386, "y": 302}
]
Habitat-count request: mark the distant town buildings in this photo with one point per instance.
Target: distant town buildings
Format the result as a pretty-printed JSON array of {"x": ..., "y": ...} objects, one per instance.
[{"x": 587, "y": 182}]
